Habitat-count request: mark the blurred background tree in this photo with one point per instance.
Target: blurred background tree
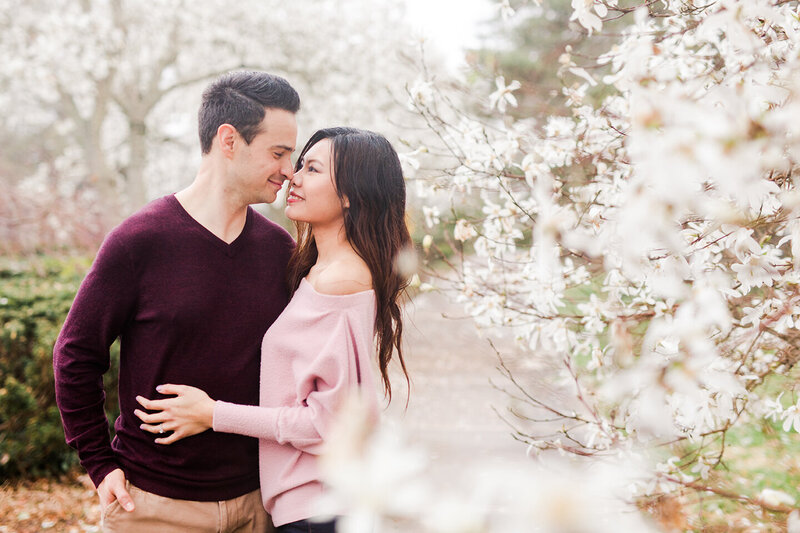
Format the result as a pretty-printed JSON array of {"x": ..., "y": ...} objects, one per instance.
[
  {"x": 530, "y": 42},
  {"x": 527, "y": 49},
  {"x": 100, "y": 96}
]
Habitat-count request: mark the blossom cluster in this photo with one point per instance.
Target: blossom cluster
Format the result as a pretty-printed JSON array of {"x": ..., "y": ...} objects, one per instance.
[{"x": 646, "y": 240}]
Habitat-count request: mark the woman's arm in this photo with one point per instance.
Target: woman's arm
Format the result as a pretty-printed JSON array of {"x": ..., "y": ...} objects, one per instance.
[
  {"x": 192, "y": 411},
  {"x": 304, "y": 425}
]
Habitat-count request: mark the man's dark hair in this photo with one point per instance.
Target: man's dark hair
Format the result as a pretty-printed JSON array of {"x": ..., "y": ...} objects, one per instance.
[{"x": 240, "y": 99}]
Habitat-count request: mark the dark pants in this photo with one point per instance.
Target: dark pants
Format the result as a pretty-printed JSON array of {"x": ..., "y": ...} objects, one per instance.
[{"x": 306, "y": 526}]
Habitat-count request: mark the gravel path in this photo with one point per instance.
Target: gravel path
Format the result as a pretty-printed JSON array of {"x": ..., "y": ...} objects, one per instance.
[{"x": 450, "y": 411}]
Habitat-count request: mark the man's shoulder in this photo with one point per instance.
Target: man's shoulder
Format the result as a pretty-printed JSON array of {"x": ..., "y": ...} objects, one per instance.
[
  {"x": 159, "y": 208},
  {"x": 148, "y": 222}
]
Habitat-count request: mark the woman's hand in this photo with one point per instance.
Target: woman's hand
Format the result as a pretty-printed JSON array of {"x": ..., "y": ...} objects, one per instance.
[{"x": 190, "y": 412}]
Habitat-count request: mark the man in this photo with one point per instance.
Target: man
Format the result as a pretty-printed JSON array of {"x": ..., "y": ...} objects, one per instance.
[{"x": 189, "y": 284}]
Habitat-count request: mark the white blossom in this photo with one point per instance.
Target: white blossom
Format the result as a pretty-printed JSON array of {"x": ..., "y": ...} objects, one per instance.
[
  {"x": 791, "y": 418},
  {"x": 775, "y": 497},
  {"x": 589, "y": 14},
  {"x": 463, "y": 230},
  {"x": 503, "y": 95},
  {"x": 793, "y": 522}
]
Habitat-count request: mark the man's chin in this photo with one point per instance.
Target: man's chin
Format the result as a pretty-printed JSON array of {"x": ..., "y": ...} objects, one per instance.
[{"x": 266, "y": 199}]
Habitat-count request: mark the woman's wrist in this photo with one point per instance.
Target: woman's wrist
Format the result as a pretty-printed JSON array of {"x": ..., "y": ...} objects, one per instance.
[{"x": 208, "y": 419}]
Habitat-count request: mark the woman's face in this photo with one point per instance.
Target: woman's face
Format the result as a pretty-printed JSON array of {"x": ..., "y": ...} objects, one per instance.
[{"x": 312, "y": 194}]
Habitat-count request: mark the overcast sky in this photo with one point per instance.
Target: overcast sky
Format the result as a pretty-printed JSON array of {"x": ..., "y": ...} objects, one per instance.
[{"x": 450, "y": 25}]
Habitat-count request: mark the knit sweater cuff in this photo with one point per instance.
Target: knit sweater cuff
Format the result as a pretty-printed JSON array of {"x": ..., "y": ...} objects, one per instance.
[{"x": 248, "y": 420}]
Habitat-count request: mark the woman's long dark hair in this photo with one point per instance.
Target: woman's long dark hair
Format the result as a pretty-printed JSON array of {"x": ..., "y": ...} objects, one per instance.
[{"x": 366, "y": 171}]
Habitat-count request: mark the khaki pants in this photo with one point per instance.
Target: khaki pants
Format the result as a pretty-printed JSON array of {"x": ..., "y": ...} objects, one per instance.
[{"x": 154, "y": 513}]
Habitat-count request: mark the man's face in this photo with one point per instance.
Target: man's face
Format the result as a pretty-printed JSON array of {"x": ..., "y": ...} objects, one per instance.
[{"x": 262, "y": 166}]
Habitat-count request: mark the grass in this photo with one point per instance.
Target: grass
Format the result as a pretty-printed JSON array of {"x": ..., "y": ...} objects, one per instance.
[{"x": 758, "y": 455}]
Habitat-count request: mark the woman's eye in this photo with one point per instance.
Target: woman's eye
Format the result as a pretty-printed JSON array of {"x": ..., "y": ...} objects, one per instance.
[{"x": 311, "y": 168}]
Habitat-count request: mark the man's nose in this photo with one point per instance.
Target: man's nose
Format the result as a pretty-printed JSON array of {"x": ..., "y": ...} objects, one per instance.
[{"x": 287, "y": 170}]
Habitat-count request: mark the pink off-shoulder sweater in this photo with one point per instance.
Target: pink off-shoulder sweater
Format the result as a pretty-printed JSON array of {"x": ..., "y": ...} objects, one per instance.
[{"x": 312, "y": 357}]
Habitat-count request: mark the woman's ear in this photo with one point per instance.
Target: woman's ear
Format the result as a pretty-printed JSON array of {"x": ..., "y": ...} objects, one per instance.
[{"x": 346, "y": 202}]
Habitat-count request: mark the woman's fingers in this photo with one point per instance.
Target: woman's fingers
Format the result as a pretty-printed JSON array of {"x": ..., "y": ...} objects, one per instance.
[
  {"x": 144, "y": 402},
  {"x": 169, "y": 388},
  {"x": 154, "y": 428},
  {"x": 154, "y": 405},
  {"x": 154, "y": 418},
  {"x": 166, "y": 439},
  {"x": 176, "y": 436},
  {"x": 175, "y": 418}
]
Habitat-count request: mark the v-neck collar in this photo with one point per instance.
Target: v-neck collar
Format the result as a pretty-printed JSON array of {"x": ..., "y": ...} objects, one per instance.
[{"x": 228, "y": 248}]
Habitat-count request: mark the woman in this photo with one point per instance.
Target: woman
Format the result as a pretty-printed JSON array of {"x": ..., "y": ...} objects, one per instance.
[{"x": 347, "y": 199}]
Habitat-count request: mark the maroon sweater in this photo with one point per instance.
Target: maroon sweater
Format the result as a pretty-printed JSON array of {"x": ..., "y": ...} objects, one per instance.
[{"x": 188, "y": 309}]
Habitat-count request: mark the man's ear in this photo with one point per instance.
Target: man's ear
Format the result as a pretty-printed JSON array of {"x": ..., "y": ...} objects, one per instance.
[{"x": 227, "y": 136}]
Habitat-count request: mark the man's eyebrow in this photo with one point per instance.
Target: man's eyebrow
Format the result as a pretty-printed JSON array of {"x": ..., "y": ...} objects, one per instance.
[{"x": 283, "y": 147}]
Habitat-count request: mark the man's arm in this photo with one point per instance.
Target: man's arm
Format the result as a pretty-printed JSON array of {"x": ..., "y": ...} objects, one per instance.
[{"x": 105, "y": 301}]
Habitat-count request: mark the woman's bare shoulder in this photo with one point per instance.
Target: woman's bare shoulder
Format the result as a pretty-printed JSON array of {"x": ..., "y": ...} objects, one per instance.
[{"x": 346, "y": 276}]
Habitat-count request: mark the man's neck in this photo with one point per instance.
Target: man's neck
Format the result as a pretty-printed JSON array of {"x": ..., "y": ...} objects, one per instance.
[{"x": 213, "y": 206}]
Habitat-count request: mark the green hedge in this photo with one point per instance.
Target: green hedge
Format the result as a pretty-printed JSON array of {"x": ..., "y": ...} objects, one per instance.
[{"x": 35, "y": 296}]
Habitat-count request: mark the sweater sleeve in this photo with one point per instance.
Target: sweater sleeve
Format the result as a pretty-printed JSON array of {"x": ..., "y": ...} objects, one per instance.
[
  {"x": 103, "y": 304},
  {"x": 305, "y": 425}
]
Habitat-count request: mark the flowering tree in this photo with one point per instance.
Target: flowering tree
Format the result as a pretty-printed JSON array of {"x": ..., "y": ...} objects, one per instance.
[
  {"x": 645, "y": 243},
  {"x": 105, "y": 91}
]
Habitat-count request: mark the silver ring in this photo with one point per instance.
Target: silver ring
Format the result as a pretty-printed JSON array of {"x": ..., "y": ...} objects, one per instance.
[{"x": 160, "y": 429}]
